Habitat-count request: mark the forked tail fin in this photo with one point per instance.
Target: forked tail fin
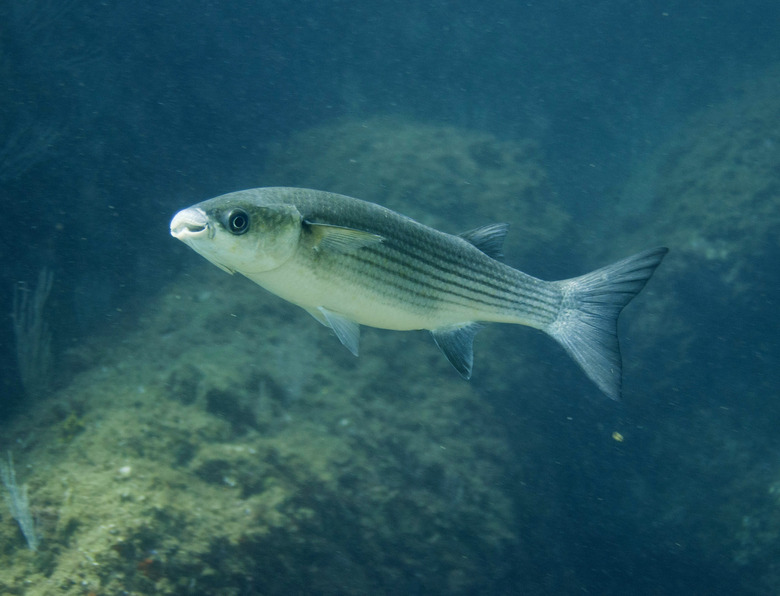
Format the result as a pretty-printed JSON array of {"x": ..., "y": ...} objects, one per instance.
[{"x": 586, "y": 325}]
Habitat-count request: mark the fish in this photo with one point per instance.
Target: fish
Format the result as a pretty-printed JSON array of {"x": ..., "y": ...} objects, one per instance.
[{"x": 350, "y": 262}]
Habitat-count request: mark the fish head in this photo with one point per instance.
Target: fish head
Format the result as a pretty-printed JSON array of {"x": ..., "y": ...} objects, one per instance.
[{"x": 238, "y": 232}]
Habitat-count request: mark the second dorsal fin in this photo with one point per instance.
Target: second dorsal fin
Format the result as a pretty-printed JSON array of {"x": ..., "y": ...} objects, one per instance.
[{"x": 489, "y": 239}]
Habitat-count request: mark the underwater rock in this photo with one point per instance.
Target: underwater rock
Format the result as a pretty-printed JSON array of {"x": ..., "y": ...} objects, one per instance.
[
  {"x": 449, "y": 178},
  {"x": 704, "y": 365},
  {"x": 712, "y": 193},
  {"x": 344, "y": 476}
]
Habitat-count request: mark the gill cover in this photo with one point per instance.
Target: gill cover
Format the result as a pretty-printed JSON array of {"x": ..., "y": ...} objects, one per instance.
[
  {"x": 240, "y": 235},
  {"x": 255, "y": 238}
]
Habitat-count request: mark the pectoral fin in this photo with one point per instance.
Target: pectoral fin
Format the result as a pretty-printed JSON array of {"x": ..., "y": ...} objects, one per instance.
[
  {"x": 339, "y": 239},
  {"x": 457, "y": 343}
]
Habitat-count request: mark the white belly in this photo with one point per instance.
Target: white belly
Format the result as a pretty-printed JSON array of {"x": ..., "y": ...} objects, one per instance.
[{"x": 353, "y": 301}]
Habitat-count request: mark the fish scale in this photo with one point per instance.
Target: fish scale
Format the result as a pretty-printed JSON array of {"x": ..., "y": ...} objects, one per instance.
[
  {"x": 350, "y": 262},
  {"x": 423, "y": 256}
]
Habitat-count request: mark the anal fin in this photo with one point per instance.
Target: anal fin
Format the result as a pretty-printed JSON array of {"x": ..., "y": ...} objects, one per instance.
[{"x": 457, "y": 343}]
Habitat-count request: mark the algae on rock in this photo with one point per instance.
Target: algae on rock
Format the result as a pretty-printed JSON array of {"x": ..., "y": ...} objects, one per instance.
[
  {"x": 713, "y": 192},
  {"x": 198, "y": 471},
  {"x": 445, "y": 177}
]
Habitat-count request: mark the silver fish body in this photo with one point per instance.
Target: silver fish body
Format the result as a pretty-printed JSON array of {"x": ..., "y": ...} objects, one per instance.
[{"x": 350, "y": 262}]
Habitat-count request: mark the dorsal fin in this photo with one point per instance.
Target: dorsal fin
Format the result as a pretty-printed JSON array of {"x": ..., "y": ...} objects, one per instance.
[{"x": 489, "y": 239}]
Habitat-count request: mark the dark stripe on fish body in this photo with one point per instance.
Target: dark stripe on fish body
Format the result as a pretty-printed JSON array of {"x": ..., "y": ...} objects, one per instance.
[
  {"x": 425, "y": 274},
  {"x": 506, "y": 290},
  {"x": 462, "y": 270},
  {"x": 436, "y": 255},
  {"x": 452, "y": 281}
]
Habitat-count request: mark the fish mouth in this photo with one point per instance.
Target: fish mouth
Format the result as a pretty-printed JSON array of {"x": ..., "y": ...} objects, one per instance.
[{"x": 189, "y": 223}]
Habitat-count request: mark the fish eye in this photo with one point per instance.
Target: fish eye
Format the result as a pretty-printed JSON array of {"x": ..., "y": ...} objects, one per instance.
[{"x": 238, "y": 221}]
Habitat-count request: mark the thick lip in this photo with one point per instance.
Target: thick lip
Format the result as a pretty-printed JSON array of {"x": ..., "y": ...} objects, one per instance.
[{"x": 189, "y": 223}]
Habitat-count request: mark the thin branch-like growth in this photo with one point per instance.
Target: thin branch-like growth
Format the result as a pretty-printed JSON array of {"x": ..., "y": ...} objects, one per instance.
[
  {"x": 33, "y": 338},
  {"x": 18, "y": 503}
]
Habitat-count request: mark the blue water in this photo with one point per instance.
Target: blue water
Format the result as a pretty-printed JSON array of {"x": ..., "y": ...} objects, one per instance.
[{"x": 116, "y": 115}]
